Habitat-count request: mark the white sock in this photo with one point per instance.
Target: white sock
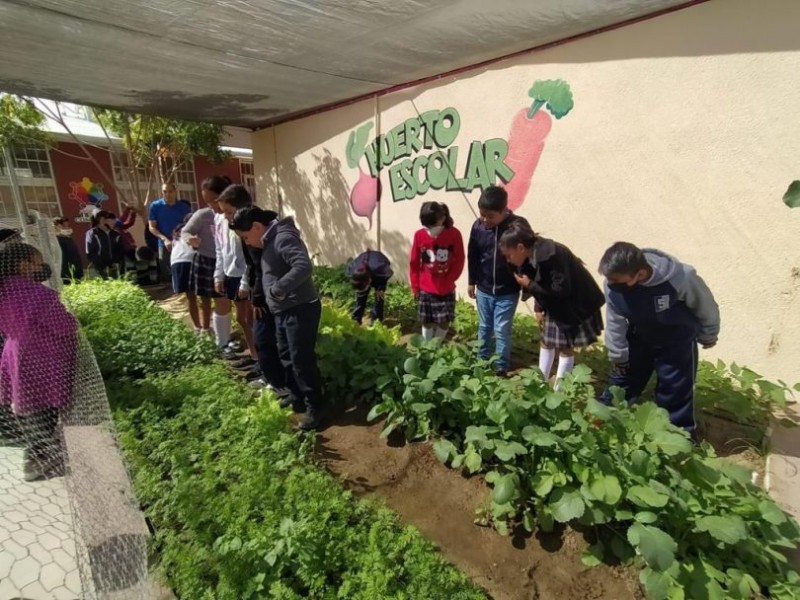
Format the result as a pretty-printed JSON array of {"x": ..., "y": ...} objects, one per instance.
[
  {"x": 441, "y": 332},
  {"x": 546, "y": 358},
  {"x": 222, "y": 329},
  {"x": 565, "y": 364},
  {"x": 428, "y": 333}
]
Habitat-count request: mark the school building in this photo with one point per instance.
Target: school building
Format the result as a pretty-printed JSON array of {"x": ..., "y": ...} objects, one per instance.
[{"x": 62, "y": 180}]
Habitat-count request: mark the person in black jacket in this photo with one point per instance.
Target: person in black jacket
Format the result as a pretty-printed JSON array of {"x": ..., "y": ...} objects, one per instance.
[
  {"x": 71, "y": 263},
  {"x": 103, "y": 248},
  {"x": 270, "y": 370},
  {"x": 491, "y": 281},
  {"x": 568, "y": 299}
]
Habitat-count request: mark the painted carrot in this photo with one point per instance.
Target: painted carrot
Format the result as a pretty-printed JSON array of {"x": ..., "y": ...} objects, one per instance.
[
  {"x": 528, "y": 132},
  {"x": 366, "y": 193}
]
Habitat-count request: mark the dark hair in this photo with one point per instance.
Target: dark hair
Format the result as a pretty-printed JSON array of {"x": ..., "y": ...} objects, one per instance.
[
  {"x": 361, "y": 277},
  {"x": 518, "y": 233},
  {"x": 622, "y": 258},
  {"x": 7, "y": 235},
  {"x": 216, "y": 183},
  {"x": 12, "y": 255},
  {"x": 244, "y": 218},
  {"x": 236, "y": 195},
  {"x": 431, "y": 212},
  {"x": 145, "y": 254},
  {"x": 493, "y": 198},
  {"x": 60, "y": 220},
  {"x": 102, "y": 214}
]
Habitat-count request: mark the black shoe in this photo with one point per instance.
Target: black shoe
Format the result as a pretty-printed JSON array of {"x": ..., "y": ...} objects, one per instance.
[
  {"x": 243, "y": 363},
  {"x": 252, "y": 374},
  {"x": 501, "y": 373}
]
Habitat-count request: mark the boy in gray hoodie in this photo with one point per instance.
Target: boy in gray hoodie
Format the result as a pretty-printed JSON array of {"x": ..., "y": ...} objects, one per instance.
[
  {"x": 658, "y": 309},
  {"x": 292, "y": 298}
]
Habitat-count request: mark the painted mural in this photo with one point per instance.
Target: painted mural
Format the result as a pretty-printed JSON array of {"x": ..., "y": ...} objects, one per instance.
[
  {"x": 89, "y": 196},
  {"x": 420, "y": 153}
]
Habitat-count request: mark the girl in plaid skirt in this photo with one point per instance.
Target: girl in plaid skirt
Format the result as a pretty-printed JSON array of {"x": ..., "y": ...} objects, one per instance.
[
  {"x": 568, "y": 300},
  {"x": 437, "y": 260}
]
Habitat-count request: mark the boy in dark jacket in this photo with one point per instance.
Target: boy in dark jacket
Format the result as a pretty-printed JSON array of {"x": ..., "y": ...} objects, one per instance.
[
  {"x": 103, "y": 244},
  {"x": 286, "y": 278},
  {"x": 491, "y": 281},
  {"x": 658, "y": 309},
  {"x": 369, "y": 270},
  {"x": 71, "y": 263}
]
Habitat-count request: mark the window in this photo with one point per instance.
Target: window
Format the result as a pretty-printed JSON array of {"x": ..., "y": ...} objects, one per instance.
[
  {"x": 248, "y": 176},
  {"x": 35, "y": 178},
  {"x": 184, "y": 179}
]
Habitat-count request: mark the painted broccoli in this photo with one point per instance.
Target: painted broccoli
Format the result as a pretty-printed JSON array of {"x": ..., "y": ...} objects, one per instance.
[{"x": 553, "y": 92}]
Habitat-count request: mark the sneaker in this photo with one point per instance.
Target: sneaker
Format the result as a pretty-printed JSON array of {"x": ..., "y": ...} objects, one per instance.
[
  {"x": 235, "y": 345},
  {"x": 259, "y": 384},
  {"x": 253, "y": 374},
  {"x": 243, "y": 363},
  {"x": 228, "y": 353}
]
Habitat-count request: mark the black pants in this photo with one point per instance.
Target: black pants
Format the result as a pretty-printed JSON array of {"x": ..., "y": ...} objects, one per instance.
[
  {"x": 296, "y": 330},
  {"x": 379, "y": 285},
  {"x": 266, "y": 343},
  {"x": 675, "y": 366},
  {"x": 38, "y": 431}
]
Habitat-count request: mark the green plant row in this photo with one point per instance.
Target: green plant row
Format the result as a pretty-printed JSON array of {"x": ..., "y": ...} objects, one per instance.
[
  {"x": 239, "y": 509},
  {"x": 733, "y": 392},
  {"x": 693, "y": 522}
]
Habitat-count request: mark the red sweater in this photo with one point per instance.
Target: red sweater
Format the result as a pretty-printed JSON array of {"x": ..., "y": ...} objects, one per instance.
[{"x": 436, "y": 263}]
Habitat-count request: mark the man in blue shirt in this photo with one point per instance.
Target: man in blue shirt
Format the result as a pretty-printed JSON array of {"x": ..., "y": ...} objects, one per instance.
[{"x": 164, "y": 216}]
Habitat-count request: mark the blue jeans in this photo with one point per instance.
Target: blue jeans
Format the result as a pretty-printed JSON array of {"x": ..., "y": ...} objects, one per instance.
[{"x": 495, "y": 317}]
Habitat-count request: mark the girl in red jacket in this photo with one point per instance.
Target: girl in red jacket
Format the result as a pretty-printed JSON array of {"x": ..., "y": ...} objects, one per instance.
[{"x": 437, "y": 259}]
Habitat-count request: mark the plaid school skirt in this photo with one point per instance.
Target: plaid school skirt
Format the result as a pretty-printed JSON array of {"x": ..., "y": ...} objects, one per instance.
[
  {"x": 583, "y": 334},
  {"x": 201, "y": 277},
  {"x": 437, "y": 309}
]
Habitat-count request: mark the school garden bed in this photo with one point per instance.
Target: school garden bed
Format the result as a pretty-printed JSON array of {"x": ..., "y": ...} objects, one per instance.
[
  {"x": 629, "y": 481},
  {"x": 239, "y": 509},
  {"x": 695, "y": 523}
]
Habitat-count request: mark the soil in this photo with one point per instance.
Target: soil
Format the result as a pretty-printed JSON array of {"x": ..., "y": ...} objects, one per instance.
[{"x": 441, "y": 503}]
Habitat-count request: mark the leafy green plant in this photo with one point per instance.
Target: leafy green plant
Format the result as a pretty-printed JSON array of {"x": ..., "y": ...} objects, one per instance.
[
  {"x": 695, "y": 523},
  {"x": 240, "y": 510},
  {"x": 129, "y": 335}
]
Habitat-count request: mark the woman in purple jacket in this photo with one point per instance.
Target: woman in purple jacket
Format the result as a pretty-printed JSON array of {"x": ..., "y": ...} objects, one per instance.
[{"x": 37, "y": 366}]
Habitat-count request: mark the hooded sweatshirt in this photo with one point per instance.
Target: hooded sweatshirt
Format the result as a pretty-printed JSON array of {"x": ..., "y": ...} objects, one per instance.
[
  {"x": 286, "y": 268},
  {"x": 674, "y": 305}
]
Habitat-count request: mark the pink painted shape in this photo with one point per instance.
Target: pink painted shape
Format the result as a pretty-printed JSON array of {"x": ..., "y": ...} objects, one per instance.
[
  {"x": 525, "y": 145},
  {"x": 365, "y": 195}
]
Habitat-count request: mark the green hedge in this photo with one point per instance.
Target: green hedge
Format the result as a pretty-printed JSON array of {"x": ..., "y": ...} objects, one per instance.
[{"x": 239, "y": 509}]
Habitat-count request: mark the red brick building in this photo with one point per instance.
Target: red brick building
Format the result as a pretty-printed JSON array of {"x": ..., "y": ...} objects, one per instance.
[{"x": 50, "y": 178}]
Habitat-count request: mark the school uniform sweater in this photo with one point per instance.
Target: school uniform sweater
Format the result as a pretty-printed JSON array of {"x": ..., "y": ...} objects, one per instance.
[{"x": 436, "y": 262}]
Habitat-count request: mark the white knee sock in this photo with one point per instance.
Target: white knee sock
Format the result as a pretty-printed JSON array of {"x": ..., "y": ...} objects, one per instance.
[
  {"x": 565, "y": 364},
  {"x": 222, "y": 329},
  {"x": 441, "y": 332},
  {"x": 428, "y": 333},
  {"x": 546, "y": 358}
]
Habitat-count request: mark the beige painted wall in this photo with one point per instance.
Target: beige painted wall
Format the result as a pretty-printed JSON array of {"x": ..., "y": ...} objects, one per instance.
[{"x": 684, "y": 136}]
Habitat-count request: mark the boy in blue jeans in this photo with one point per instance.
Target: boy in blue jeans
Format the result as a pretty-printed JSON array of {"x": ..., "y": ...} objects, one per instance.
[{"x": 491, "y": 280}]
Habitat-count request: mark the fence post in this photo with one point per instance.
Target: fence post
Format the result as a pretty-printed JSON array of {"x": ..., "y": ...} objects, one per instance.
[{"x": 19, "y": 203}]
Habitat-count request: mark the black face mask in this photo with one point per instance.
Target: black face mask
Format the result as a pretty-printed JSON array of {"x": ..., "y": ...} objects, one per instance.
[
  {"x": 43, "y": 274},
  {"x": 621, "y": 288}
]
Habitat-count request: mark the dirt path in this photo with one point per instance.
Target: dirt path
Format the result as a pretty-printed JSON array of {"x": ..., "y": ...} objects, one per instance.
[{"x": 441, "y": 504}]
